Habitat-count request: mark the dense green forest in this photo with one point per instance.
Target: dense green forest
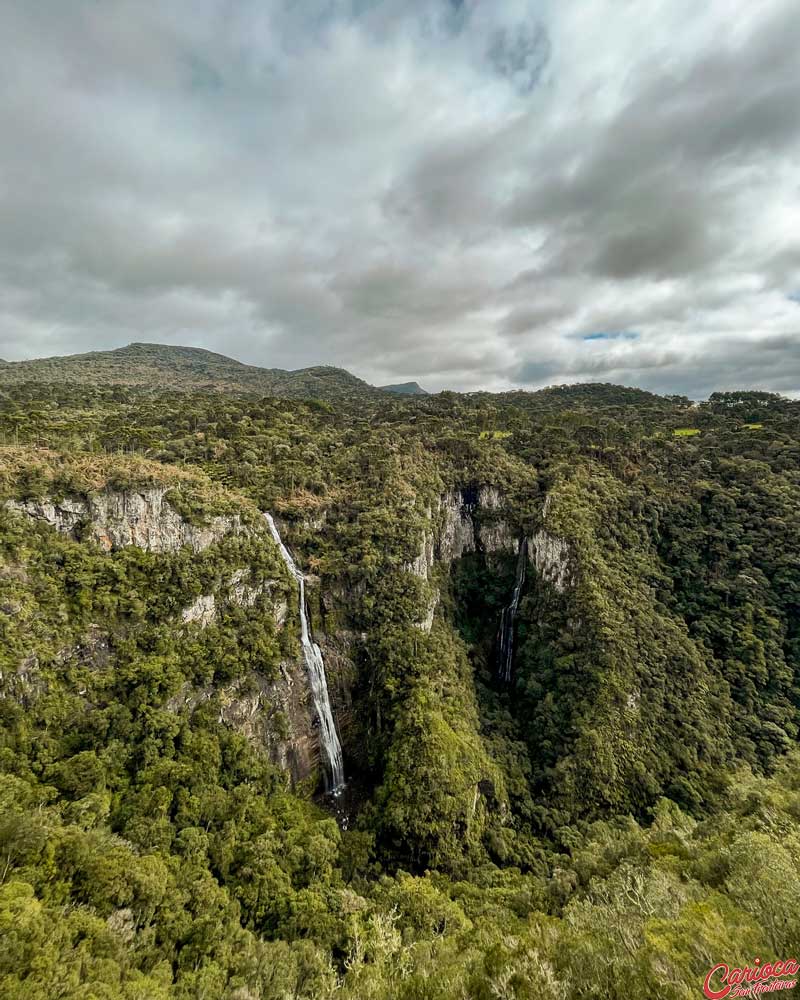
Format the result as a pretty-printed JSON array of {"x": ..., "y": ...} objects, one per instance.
[{"x": 619, "y": 817}]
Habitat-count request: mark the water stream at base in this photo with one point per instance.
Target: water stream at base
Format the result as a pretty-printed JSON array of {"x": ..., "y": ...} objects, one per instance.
[{"x": 315, "y": 666}]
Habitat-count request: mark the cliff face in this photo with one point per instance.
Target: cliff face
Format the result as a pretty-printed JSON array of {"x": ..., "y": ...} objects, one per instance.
[
  {"x": 275, "y": 714},
  {"x": 236, "y": 591},
  {"x": 474, "y": 519},
  {"x": 116, "y": 518},
  {"x": 463, "y": 520},
  {"x": 551, "y": 557}
]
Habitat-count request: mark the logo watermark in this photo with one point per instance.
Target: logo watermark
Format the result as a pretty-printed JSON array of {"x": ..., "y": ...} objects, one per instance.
[{"x": 722, "y": 981}]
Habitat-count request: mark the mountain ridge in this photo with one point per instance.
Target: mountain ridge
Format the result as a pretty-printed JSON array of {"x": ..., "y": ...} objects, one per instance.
[
  {"x": 179, "y": 367},
  {"x": 404, "y": 389},
  {"x": 153, "y": 366}
]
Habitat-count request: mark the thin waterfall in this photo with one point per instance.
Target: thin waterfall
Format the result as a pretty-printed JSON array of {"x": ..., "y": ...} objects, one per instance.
[
  {"x": 315, "y": 666},
  {"x": 505, "y": 646}
]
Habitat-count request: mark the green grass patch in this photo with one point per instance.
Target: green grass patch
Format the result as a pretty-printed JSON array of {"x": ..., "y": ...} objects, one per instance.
[
  {"x": 494, "y": 435},
  {"x": 685, "y": 432}
]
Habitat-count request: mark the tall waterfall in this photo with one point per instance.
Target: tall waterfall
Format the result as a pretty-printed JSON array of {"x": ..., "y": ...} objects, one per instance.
[
  {"x": 315, "y": 666},
  {"x": 505, "y": 648}
]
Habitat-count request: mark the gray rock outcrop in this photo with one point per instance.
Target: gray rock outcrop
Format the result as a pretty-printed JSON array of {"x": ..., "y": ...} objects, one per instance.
[
  {"x": 116, "y": 518},
  {"x": 472, "y": 520},
  {"x": 551, "y": 557}
]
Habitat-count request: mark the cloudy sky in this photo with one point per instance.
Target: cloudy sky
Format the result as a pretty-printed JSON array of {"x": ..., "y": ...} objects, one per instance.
[{"x": 471, "y": 193}]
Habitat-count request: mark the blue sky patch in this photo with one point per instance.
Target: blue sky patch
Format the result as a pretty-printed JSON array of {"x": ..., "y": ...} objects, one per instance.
[{"x": 611, "y": 335}]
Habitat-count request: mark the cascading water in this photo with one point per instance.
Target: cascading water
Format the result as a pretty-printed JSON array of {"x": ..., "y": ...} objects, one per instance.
[
  {"x": 505, "y": 646},
  {"x": 315, "y": 666}
]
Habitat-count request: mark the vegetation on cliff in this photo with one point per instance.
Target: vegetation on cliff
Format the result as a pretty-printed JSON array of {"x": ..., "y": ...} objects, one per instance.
[{"x": 619, "y": 818}]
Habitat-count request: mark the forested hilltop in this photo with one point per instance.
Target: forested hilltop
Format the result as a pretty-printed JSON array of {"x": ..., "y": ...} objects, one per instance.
[
  {"x": 561, "y": 633},
  {"x": 160, "y": 366}
]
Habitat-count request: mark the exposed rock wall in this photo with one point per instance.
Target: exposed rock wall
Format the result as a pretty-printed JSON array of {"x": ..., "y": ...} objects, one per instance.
[
  {"x": 340, "y": 649},
  {"x": 202, "y": 611},
  {"x": 497, "y": 536},
  {"x": 245, "y": 595},
  {"x": 423, "y": 563},
  {"x": 551, "y": 557},
  {"x": 115, "y": 519},
  {"x": 456, "y": 535},
  {"x": 205, "y": 608},
  {"x": 462, "y": 521},
  {"x": 24, "y": 683},
  {"x": 276, "y": 715},
  {"x": 472, "y": 519}
]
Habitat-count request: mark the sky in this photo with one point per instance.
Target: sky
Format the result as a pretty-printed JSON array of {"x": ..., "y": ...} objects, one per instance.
[{"x": 470, "y": 193}]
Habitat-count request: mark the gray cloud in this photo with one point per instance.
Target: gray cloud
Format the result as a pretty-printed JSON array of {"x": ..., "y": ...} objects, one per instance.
[
  {"x": 520, "y": 54},
  {"x": 456, "y": 192}
]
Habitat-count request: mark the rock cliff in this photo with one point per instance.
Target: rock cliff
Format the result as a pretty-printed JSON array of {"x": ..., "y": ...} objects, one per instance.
[
  {"x": 116, "y": 518},
  {"x": 551, "y": 557},
  {"x": 474, "y": 519},
  {"x": 470, "y": 519},
  {"x": 275, "y": 714}
]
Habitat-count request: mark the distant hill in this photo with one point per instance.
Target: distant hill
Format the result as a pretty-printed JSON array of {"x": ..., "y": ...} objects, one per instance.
[
  {"x": 405, "y": 389},
  {"x": 580, "y": 395},
  {"x": 163, "y": 366}
]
